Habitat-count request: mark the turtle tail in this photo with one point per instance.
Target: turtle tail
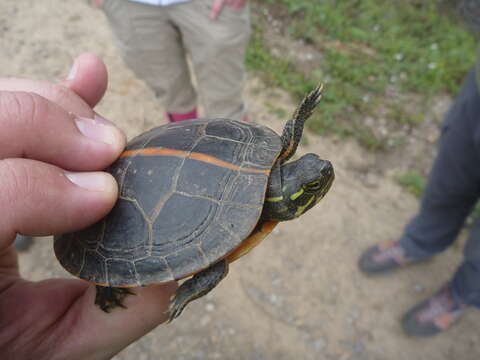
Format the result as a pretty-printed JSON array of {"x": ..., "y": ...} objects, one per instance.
[{"x": 293, "y": 130}]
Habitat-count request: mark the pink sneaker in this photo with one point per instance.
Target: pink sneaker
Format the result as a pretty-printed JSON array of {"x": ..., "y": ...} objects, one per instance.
[{"x": 176, "y": 117}]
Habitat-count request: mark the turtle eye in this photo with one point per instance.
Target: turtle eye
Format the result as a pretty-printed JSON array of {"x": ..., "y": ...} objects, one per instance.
[{"x": 314, "y": 185}]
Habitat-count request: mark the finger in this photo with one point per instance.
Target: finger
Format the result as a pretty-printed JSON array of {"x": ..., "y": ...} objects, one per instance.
[
  {"x": 88, "y": 78},
  {"x": 41, "y": 199},
  {"x": 108, "y": 333},
  {"x": 57, "y": 94},
  {"x": 36, "y": 128},
  {"x": 216, "y": 9},
  {"x": 84, "y": 87}
]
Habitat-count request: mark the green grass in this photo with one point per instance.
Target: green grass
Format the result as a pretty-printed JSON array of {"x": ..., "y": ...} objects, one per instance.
[
  {"x": 413, "y": 181},
  {"x": 367, "y": 46}
]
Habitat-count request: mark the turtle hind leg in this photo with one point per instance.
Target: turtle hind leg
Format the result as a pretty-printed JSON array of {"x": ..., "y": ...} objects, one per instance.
[
  {"x": 197, "y": 286},
  {"x": 108, "y": 298}
]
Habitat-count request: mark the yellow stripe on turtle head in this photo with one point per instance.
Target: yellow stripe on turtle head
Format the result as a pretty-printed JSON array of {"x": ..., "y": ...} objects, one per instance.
[
  {"x": 274, "y": 199},
  {"x": 296, "y": 195},
  {"x": 301, "y": 209}
]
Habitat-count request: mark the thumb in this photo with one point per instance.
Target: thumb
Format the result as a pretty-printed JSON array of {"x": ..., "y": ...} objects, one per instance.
[{"x": 88, "y": 78}]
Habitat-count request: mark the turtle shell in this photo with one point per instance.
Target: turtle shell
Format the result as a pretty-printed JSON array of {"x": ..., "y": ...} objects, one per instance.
[{"x": 190, "y": 193}]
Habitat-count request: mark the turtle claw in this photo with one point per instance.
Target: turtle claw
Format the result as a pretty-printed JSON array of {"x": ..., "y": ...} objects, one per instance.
[
  {"x": 176, "y": 308},
  {"x": 195, "y": 287},
  {"x": 108, "y": 298}
]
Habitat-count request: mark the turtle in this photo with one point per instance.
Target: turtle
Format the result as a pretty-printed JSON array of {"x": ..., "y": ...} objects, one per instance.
[{"x": 194, "y": 196}]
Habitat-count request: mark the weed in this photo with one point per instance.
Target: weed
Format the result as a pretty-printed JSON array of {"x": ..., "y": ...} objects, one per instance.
[
  {"x": 367, "y": 46},
  {"x": 413, "y": 181}
]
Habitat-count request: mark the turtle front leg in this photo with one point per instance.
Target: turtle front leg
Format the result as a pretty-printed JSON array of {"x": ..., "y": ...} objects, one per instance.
[
  {"x": 108, "y": 298},
  {"x": 197, "y": 286}
]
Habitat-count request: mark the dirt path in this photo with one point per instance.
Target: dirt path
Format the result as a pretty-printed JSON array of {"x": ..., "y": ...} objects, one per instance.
[{"x": 298, "y": 295}]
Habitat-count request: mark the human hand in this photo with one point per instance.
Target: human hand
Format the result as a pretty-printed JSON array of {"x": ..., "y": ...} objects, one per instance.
[
  {"x": 52, "y": 146},
  {"x": 218, "y": 6}
]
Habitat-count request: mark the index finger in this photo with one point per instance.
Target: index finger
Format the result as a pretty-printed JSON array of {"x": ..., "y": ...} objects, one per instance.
[{"x": 35, "y": 128}]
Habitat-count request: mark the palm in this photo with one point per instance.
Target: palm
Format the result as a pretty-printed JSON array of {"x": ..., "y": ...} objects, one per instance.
[{"x": 43, "y": 310}]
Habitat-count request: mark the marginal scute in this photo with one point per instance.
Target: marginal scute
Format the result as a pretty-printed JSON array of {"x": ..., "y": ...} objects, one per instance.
[
  {"x": 120, "y": 272},
  {"x": 237, "y": 219},
  {"x": 153, "y": 269},
  {"x": 72, "y": 259},
  {"x": 213, "y": 243},
  {"x": 94, "y": 268},
  {"x": 185, "y": 261}
]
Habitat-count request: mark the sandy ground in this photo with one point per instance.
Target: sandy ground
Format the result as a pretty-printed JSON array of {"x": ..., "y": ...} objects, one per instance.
[{"x": 299, "y": 294}]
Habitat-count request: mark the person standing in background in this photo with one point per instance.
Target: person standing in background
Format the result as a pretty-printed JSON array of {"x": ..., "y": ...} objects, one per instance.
[
  {"x": 453, "y": 190},
  {"x": 157, "y": 36}
]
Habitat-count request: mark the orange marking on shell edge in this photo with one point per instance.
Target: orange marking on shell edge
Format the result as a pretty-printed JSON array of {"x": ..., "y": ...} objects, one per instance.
[
  {"x": 195, "y": 156},
  {"x": 252, "y": 241}
]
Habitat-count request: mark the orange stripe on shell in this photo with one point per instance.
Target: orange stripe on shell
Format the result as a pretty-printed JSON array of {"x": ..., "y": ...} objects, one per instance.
[{"x": 195, "y": 156}]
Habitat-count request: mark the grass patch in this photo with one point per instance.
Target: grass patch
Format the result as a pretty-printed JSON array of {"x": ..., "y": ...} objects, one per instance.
[
  {"x": 413, "y": 181},
  {"x": 367, "y": 46}
]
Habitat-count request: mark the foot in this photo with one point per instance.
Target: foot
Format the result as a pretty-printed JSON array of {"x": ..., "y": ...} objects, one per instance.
[
  {"x": 197, "y": 286},
  {"x": 385, "y": 257},
  {"x": 433, "y": 315},
  {"x": 108, "y": 298},
  {"x": 176, "y": 117}
]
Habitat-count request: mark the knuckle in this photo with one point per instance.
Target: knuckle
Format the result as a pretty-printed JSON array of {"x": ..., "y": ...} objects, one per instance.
[
  {"x": 13, "y": 181},
  {"x": 23, "y": 108},
  {"x": 59, "y": 94}
]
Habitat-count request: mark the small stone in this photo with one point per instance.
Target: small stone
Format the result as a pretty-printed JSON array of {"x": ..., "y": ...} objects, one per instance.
[
  {"x": 319, "y": 344},
  {"x": 358, "y": 347},
  {"x": 419, "y": 288},
  {"x": 205, "y": 320},
  {"x": 210, "y": 307},
  {"x": 274, "y": 299},
  {"x": 371, "y": 180}
]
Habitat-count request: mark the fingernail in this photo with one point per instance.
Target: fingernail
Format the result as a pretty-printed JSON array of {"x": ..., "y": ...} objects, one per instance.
[
  {"x": 100, "y": 129},
  {"x": 96, "y": 181},
  {"x": 73, "y": 71}
]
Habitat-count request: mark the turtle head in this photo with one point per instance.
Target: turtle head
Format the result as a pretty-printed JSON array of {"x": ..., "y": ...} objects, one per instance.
[{"x": 296, "y": 187}]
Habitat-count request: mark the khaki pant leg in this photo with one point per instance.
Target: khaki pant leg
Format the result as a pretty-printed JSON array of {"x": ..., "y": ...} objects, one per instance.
[
  {"x": 217, "y": 49},
  {"x": 152, "y": 48}
]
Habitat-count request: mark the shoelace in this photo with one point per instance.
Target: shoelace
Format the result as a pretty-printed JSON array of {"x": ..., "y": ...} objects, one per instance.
[
  {"x": 395, "y": 252},
  {"x": 439, "y": 305}
]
